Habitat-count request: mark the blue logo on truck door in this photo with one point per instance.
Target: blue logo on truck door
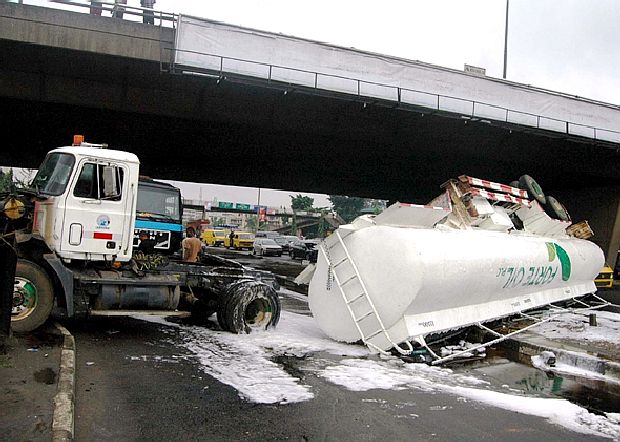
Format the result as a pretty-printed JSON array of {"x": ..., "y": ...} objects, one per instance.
[{"x": 103, "y": 221}]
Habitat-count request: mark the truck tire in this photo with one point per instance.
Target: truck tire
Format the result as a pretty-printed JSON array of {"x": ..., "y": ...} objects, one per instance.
[
  {"x": 200, "y": 311},
  {"x": 33, "y": 297},
  {"x": 249, "y": 305},
  {"x": 556, "y": 210},
  {"x": 534, "y": 190}
]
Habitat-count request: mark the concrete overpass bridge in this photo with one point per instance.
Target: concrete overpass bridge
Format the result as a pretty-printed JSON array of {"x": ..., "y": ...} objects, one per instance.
[{"x": 334, "y": 120}]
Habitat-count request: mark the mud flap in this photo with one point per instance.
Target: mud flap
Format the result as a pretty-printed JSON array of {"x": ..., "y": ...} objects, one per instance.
[{"x": 65, "y": 276}]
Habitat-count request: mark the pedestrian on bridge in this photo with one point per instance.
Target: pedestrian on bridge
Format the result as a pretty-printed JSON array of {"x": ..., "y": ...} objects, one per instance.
[
  {"x": 148, "y": 17},
  {"x": 95, "y": 8},
  {"x": 119, "y": 8}
]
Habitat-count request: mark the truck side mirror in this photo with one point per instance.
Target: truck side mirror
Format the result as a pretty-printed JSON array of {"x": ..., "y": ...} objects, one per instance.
[{"x": 110, "y": 188}]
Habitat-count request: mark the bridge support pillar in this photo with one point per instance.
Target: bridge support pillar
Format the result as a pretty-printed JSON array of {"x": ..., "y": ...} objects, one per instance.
[{"x": 600, "y": 206}]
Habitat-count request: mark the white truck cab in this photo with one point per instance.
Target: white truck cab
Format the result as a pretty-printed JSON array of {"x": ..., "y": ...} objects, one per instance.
[{"x": 90, "y": 202}]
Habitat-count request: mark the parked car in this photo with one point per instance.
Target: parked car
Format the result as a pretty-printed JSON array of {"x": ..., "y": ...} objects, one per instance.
[
  {"x": 285, "y": 242},
  {"x": 266, "y": 247},
  {"x": 305, "y": 249}
]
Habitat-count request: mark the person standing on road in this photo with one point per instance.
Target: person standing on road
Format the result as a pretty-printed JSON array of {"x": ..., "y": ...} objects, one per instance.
[
  {"x": 232, "y": 239},
  {"x": 148, "y": 17},
  {"x": 191, "y": 246}
]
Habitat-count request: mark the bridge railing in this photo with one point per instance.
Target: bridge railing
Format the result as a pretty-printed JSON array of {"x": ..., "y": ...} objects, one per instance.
[
  {"x": 224, "y": 67},
  {"x": 118, "y": 9}
]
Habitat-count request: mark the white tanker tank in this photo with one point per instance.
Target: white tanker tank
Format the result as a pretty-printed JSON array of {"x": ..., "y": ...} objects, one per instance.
[{"x": 416, "y": 270}]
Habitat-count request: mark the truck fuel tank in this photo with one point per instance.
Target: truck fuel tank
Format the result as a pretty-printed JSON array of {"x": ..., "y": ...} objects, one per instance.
[{"x": 387, "y": 283}]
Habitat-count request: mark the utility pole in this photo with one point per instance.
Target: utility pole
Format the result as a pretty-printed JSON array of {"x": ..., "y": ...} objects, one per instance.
[
  {"x": 258, "y": 211},
  {"x": 506, "y": 39}
]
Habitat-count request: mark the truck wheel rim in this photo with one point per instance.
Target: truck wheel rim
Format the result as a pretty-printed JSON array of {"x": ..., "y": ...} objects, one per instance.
[
  {"x": 258, "y": 313},
  {"x": 24, "y": 299}
]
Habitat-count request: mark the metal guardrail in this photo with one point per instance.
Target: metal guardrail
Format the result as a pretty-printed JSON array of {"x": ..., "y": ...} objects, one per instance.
[
  {"x": 469, "y": 109},
  {"x": 119, "y": 10}
]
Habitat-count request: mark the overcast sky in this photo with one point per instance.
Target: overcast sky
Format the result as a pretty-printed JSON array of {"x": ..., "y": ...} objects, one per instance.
[
  {"x": 569, "y": 46},
  {"x": 565, "y": 45}
]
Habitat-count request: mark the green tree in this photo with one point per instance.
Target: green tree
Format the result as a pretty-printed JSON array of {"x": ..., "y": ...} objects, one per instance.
[
  {"x": 301, "y": 202},
  {"x": 323, "y": 226},
  {"x": 6, "y": 181},
  {"x": 250, "y": 223},
  {"x": 378, "y": 206},
  {"x": 348, "y": 207}
]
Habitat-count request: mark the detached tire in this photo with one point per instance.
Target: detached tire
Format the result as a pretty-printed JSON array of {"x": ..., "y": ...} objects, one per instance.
[
  {"x": 556, "y": 210},
  {"x": 533, "y": 189},
  {"x": 33, "y": 297},
  {"x": 247, "y": 306}
]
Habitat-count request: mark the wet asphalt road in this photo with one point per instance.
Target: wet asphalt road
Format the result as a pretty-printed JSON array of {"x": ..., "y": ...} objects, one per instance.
[
  {"x": 134, "y": 382},
  {"x": 129, "y": 388}
]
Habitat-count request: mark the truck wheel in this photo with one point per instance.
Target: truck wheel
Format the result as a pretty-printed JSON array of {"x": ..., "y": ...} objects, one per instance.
[
  {"x": 247, "y": 306},
  {"x": 533, "y": 189},
  {"x": 200, "y": 311},
  {"x": 33, "y": 297},
  {"x": 556, "y": 210}
]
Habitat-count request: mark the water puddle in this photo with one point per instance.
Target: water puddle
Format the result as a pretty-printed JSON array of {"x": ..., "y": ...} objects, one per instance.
[
  {"x": 502, "y": 368},
  {"x": 45, "y": 376}
]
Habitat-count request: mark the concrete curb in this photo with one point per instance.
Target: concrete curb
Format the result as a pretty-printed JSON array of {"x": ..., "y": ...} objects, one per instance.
[
  {"x": 64, "y": 401},
  {"x": 530, "y": 346}
]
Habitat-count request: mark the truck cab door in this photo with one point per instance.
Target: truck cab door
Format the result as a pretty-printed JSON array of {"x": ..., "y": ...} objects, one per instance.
[{"x": 97, "y": 212}]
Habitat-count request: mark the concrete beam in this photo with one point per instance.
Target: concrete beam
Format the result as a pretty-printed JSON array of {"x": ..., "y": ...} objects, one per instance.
[
  {"x": 83, "y": 32},
  {"x": 600, "y": 206},
  {"x": 614, "y": 241}
]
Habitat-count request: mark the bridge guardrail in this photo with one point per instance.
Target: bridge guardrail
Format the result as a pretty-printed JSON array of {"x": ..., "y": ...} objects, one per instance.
[
  {"x": 468, "y": 109},
  {"x": 112, "y": 7}
]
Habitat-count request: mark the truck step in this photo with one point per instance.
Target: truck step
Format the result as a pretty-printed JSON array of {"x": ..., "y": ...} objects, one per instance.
[{"x": 120, "y": 313}]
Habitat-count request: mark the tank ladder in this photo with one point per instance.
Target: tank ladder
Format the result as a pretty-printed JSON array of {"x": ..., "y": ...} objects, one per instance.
[{"x": 356, "y": 297}]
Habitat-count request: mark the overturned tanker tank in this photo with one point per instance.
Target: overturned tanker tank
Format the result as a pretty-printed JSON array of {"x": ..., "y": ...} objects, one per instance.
[{"x": 479, "y": 252}]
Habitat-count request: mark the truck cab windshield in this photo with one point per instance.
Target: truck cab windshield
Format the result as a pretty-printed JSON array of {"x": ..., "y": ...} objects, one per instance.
[
  {"x": 157, "y": 202},
  {"x": 54, "y": 174}
]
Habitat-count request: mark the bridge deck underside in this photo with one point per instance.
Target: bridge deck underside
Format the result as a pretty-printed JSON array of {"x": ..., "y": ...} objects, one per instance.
[{"x": 193, "y": 128}]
